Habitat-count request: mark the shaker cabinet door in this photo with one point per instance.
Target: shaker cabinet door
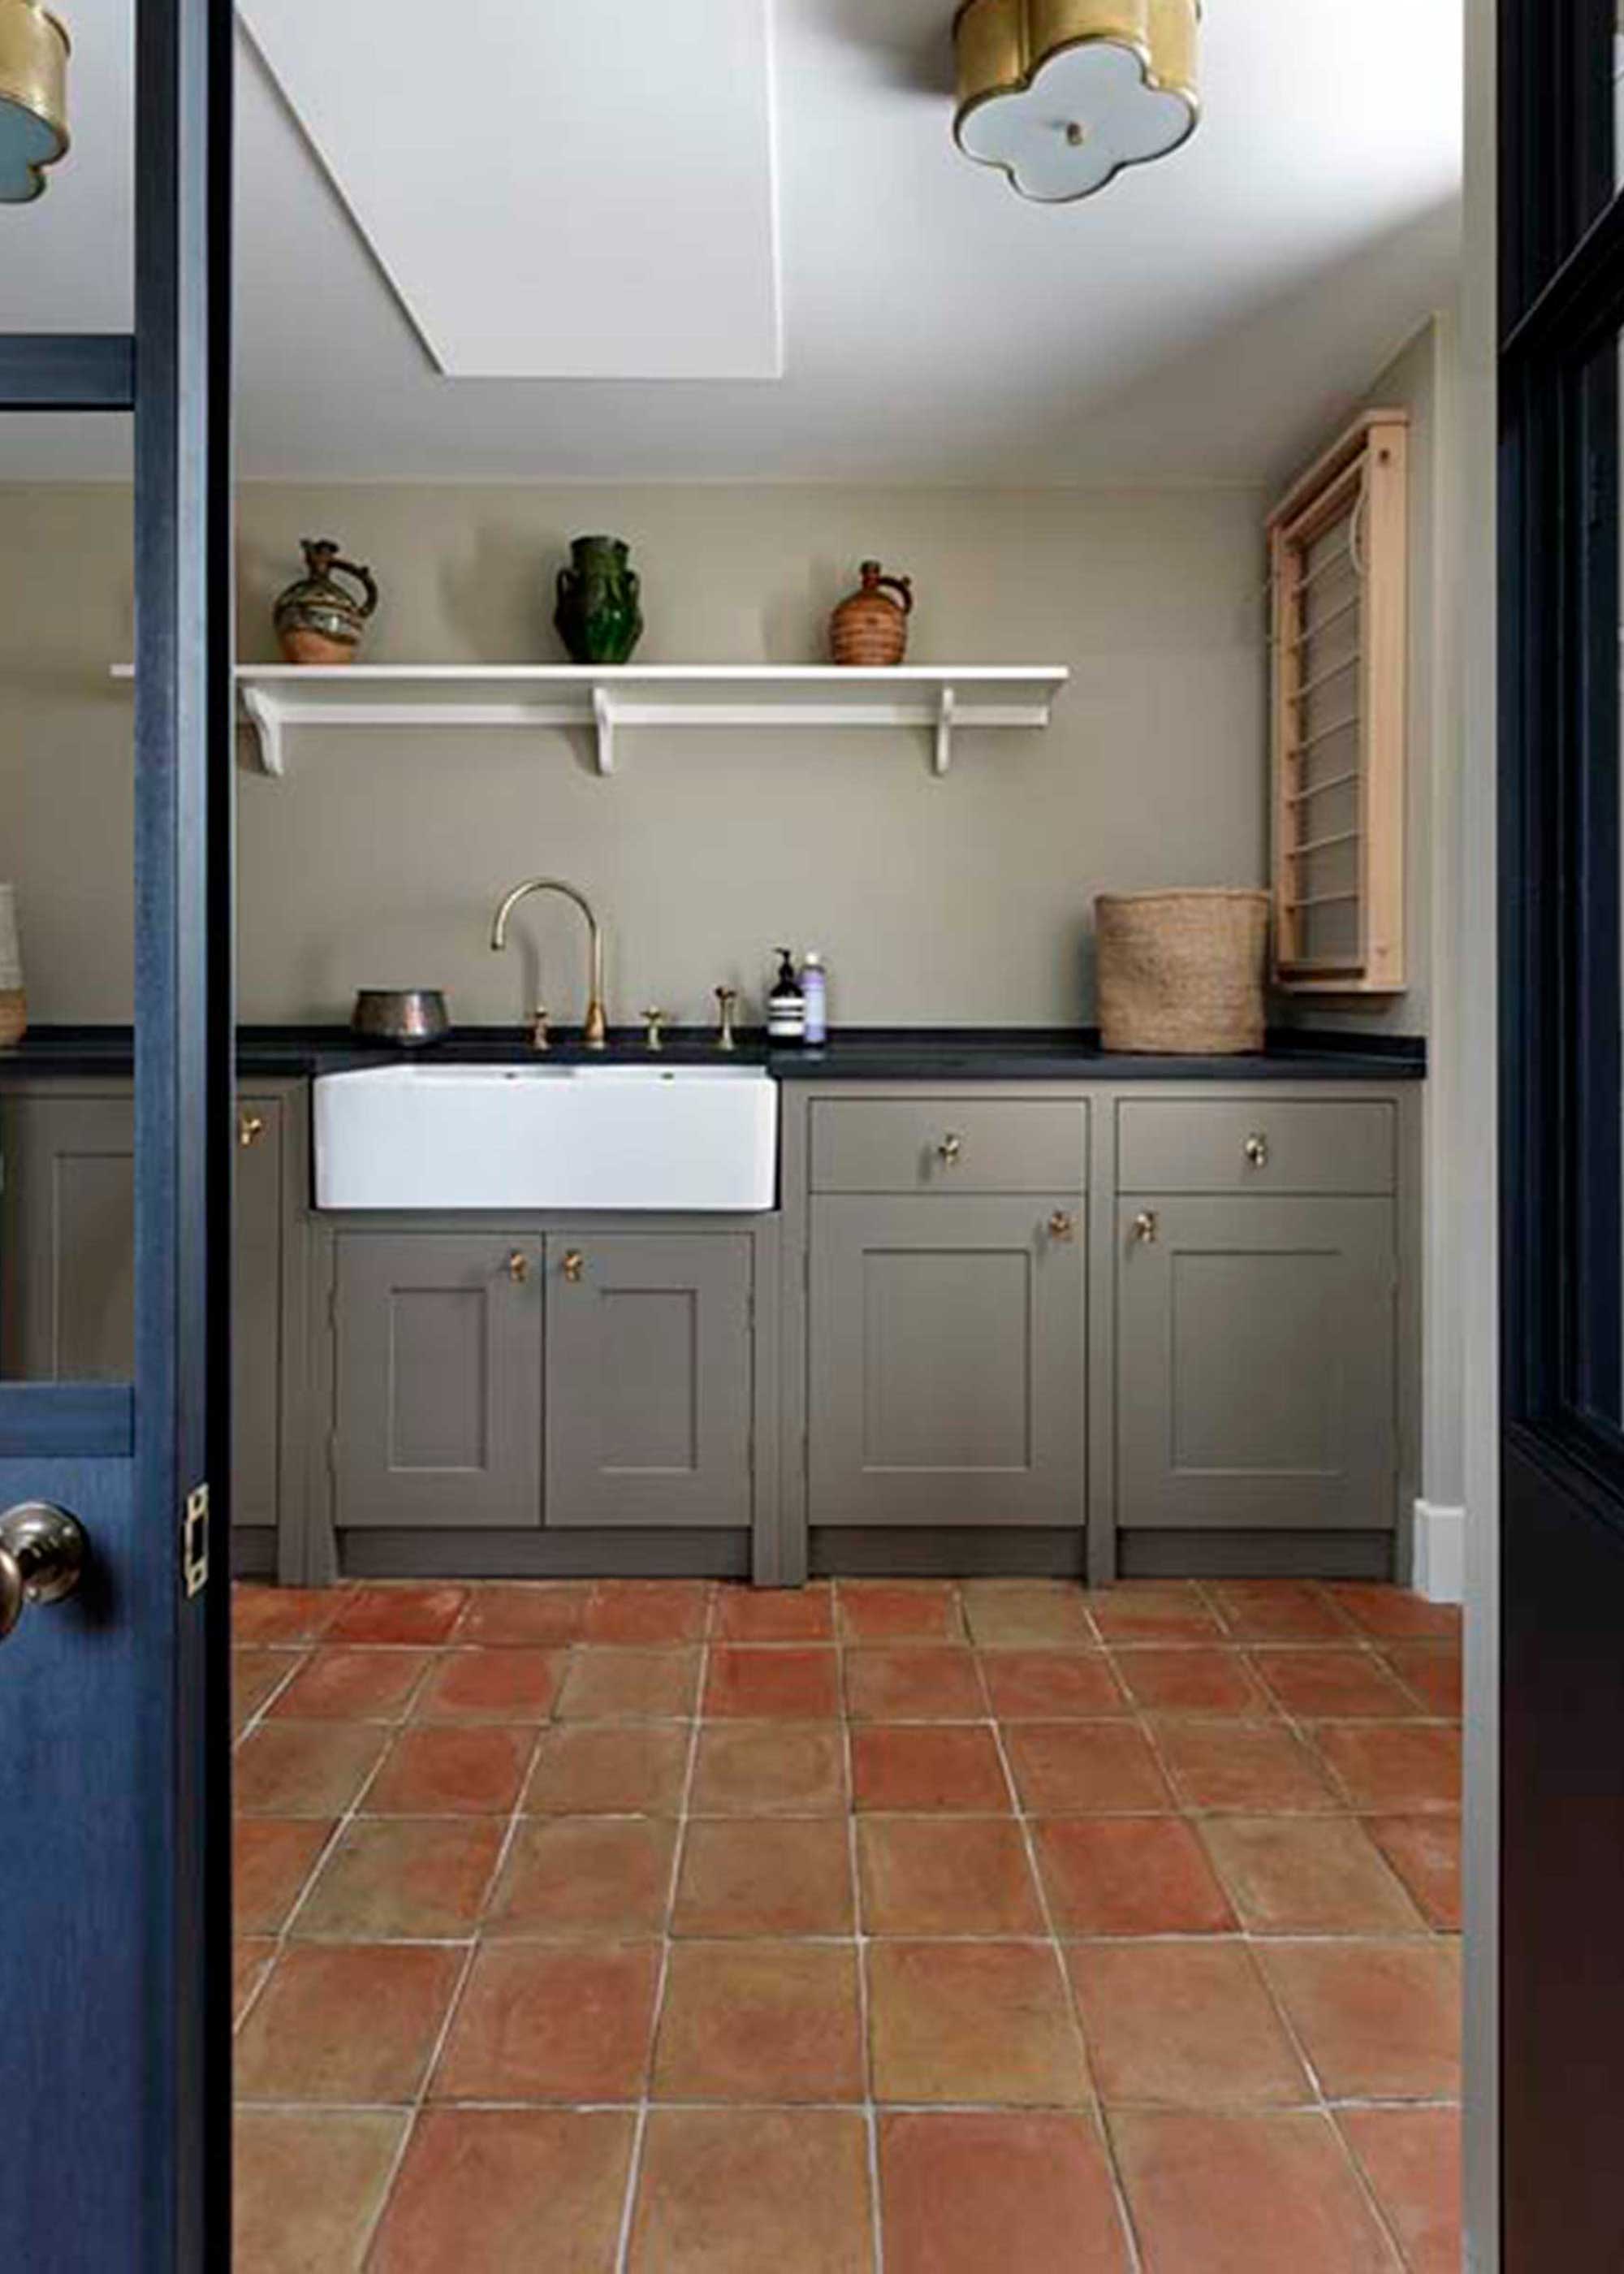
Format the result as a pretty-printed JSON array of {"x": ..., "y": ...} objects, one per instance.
[
  {"x": 257, "y": 1358},
  {"x": 437, "y": 1389},
  {"x": 649, "y": 1378},
  {"x": 947, "y": 1361},
  {"x": 1256, "y": 1365}
]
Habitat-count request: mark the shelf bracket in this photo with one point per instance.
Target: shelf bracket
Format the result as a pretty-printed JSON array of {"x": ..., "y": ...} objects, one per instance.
[
  {"x": 264, "y": 717},
  {"x": 603, "y": 712},
  {"x": 946, "y": 709}
]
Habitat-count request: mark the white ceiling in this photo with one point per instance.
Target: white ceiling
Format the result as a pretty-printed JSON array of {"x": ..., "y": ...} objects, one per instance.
[{"x": 1200, "y": 320}]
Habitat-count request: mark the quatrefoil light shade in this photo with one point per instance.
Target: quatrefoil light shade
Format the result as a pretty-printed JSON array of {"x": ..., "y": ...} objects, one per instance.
[
  {"x": 1063, "y": 94},
  {"x": 33, "y": 98}
]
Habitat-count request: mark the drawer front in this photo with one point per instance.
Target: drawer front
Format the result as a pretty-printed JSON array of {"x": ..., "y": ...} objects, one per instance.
[
  {"x": 950, "y": 1145},
  {"x": 1166, "y": 1145}
]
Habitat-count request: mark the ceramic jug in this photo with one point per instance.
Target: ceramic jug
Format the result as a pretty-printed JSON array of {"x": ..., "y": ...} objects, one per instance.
[
  {"x": 599, "y": 615},
  {"x": 316, "y": 619},
  {"x": 870, "y": 629}
]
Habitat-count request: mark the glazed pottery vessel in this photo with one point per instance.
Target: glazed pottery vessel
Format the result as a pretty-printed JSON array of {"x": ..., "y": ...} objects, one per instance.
[
  {"x": 870, "y": 630},
  {"x": 600, "y": 614},
  {"x": 318, "y": 620}
]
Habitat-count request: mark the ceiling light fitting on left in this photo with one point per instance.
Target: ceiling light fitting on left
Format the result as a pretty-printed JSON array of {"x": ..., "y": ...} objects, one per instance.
[{"x": 33, "y": 98}]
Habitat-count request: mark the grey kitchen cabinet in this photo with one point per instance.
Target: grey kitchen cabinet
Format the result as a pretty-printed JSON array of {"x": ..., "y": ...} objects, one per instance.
[
  {"x": 649, "y": 1379},
  {"x": 945, "y": 1359},
  {"x": 437, "y": 1386},
  {"x": 1256, "y": 1362}
]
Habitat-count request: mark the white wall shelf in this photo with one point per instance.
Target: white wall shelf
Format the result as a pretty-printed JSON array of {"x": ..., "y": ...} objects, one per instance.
[{"x": 943, "y": 698}]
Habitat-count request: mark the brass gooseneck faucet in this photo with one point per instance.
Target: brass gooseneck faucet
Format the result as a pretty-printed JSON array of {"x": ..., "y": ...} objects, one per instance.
[{"x": 595, "y": 1029}]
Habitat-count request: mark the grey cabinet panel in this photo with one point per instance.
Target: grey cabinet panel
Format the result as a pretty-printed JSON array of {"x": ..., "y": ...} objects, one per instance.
[
  {"x": 437, "y": 1391},
  {"x": 67, "y": 1299},
  {"x": 257, "y": 1314},
  {"x": 948, "y": 1145},
  {"x": 650, "y": 1380},
  {"x": 1256, "y": 1145},
  {"x": 945, "y": 1363},
  {"x": 1256, "y": 1366}
]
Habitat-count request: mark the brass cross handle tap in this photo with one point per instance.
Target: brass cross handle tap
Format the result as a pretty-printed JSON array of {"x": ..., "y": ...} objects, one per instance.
[
  {"x": 541, "y": 1033},
  {"x": 726, "y": 999},
  {"x": 653, "y": 1020}
]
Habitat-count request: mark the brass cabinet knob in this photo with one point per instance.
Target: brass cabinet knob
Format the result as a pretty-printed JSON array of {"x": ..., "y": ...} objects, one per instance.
[
  {"x": 1063, "y": 1225},
  {"x": 518, "y": 1266},
  {"x": 250, "y": 1128},
  {"x": 1145, "y": 1227},
  {"x": 1256, "y": 1149},
  {"x": 575, "y": 1266},
  {"x": 949, "y": 1149},
  {"x": 42, "y": 1556}
]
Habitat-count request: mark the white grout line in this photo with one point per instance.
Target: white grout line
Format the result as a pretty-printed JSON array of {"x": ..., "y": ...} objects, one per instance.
[{"x": 871, "y": 2113}]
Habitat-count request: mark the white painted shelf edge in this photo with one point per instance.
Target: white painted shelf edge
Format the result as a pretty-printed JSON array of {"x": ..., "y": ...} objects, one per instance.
[{"x": 942, "y": 698}]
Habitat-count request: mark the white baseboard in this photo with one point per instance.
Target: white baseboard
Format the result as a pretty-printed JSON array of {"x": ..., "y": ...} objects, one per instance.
[{"x": 1439, "y": 1563}]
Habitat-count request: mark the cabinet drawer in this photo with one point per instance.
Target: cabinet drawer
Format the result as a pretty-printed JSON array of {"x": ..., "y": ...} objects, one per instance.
[
  {"x": 1269, "y": 1146},
  {"x": 948, "y": 1145}
]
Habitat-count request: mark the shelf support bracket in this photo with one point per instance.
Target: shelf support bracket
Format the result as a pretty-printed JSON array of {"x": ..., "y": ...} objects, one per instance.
[
  {"x": 946, "y": 710},
  {"x": 603, "y": 712},
  {"x": 264, "y": 717}
]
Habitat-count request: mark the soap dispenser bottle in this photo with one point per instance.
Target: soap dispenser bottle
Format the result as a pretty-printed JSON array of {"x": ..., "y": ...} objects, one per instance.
[
  {"x": 787, "y": 1005},
  {"x": 815, "y": 995}
]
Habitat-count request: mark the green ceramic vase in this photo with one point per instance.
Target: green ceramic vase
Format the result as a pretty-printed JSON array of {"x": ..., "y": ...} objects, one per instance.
[{"x": 598, "y": 616}]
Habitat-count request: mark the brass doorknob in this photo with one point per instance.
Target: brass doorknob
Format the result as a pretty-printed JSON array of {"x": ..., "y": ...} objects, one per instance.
[
  {"x": 950, "y": 1147},
  {"x": 518, "y": 1266},
  {"x": 1256, "y": 1149},
  {"x": 574, "y": 1264},
  {"x": 250, "y": 1128},
  {"x": 42, "y": 1556},
  {"x": 1145, "y": 1227},
  {"x": 1063, "y": 1225}
]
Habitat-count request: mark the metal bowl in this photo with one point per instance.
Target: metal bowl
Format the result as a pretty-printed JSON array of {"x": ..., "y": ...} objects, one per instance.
[{"x": 404, "y": 1015}]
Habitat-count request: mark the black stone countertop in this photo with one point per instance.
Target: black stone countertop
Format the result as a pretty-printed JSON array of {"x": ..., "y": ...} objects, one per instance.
[{"x": 859, "y": 1054}]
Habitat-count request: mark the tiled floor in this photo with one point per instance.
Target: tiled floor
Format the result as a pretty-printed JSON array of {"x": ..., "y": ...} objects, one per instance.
[{"x": 892, "y": 1929}]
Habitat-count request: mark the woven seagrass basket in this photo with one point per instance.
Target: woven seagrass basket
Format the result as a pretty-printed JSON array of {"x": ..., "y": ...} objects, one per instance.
[{"x": 1181, "y": 972}]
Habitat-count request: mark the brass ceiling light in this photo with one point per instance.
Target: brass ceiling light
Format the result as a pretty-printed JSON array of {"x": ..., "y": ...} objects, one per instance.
[
  {"x": 1062, "y": 94},
  {"x": 33, "y": 98}
]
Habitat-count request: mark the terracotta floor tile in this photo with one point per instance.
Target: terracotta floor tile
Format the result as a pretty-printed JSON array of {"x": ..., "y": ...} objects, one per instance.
[
  {"x": 760, "y": 2021},
  {"x": 1244, "y": 1768},
  {"x": 715, "y": 2185},
  {"x": 251, "y": 1960},
  {"x": 542, "y": 2021},
  {"x": 785, "y": 1683},
  {"x": 1276, "y": 1610},
  {"x": 629, "y": 1685},
  {"x": 304, "y": 1768},
  {"x": 648, "y": 1611},
  {"x": 395, "y": 1876},
  {"x": 774, "y": 1614},
  {"x": 913, "y": 1682},
  {"x": 1085, "y": 1768},
  {"x": 1425, "y": 1852},
  {"x": 514, "y": 1684},
  {"x": 976, "y": 2021},
  {"x": 1246, "y": 2195},
  {"x": 610, "y": 1768},
  {"x": 900, "y": 1610},
  {"x": 283, "y": 1613},
  {"x": 1052, "y": 1685},
  {"x": 759, "y": 1768},
  {"x": 345, "y": 1684},
  {"x": 452, "y": 1771},
  {"x": 1379, "y": 2021},
  {"x": 1184, "y": 2024},
  {"x": 1332, "y": 1684},
  {"x": 394, "y": 1612},
  {"x": 580, "y": 1875},
  {"x": 305, "y": 2187},
  {"x": 1187, "y": 1679},
  {"x": 1408, "y": 1766},
  {"x": 479, "y": 2186},
  {"x": 544, "y": 1613},
  {"x": 1130, "y": 1875},
  {"x": 1411, "y": 2157},
  {"x": 764, "y": 1876},
  {"x": 1308, "y": 1875},
  {"x": 1394, "y": 1613},
  {"x": 906, "y": 1769},
  {"x": 256, "y": 1675},
  {"x": 1153, "y": 1610},
  {"x": 1432, "y": 1671},
  {"x": 946, "y": 1875},
  {"x": 964, "y": 2193},
  {"x": 271, "y": 1861},
  {"x": 347, "y": 2022},
  {"x": 1013, "y": 1613}
]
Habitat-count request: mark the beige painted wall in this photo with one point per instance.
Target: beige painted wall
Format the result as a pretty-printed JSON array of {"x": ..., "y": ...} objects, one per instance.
[{"x": 378, "y": 860}]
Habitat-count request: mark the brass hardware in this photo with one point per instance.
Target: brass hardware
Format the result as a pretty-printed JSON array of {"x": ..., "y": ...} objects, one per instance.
[
  {"x": 41, "y": 1557},
  {"x": 1145, "y": 1227},
  {"x": 575, "y": 1266},
  {"x": 1256, "y": 1149},
  {"x": 249, "y": 1129},
  {"x": 541, "y": 1034},
  {"x": 652, "y": 1021},
  {"x": 518, "y": 1266},
  {"x": 949, "y": 1149},
  {"x": 195, "y": 1542},
  {"x": 726, "y": 998},
  {"x": 1063, "y": 1225},
  {"x": 34, "y": 75},
  {"x": 595, "y": 1034}
]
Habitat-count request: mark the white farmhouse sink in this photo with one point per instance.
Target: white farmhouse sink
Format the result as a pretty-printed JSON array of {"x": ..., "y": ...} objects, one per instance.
[{"x": 547, "y": 1137}]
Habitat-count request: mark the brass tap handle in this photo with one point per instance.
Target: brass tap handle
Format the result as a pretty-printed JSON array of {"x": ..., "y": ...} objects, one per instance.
[
  {"x": 575, "y": 1266},
  {"x": 653, "y": 1020},
  {"x": 726, "y": 999},
  {"x": 950, "y": 1149},
  {"x": 249, "y": 1129},
  {"x": 1063, "y": 1226},
  {"x": 1256, "y": 1149},
  {"x": 541, "y": 1033},
  {"x": 1146, "y": 1227},
  {"x": 518, "y": 1266}
]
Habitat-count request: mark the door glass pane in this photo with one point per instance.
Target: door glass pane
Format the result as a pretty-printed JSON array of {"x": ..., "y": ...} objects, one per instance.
[{"x": 67, "y": 921}]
